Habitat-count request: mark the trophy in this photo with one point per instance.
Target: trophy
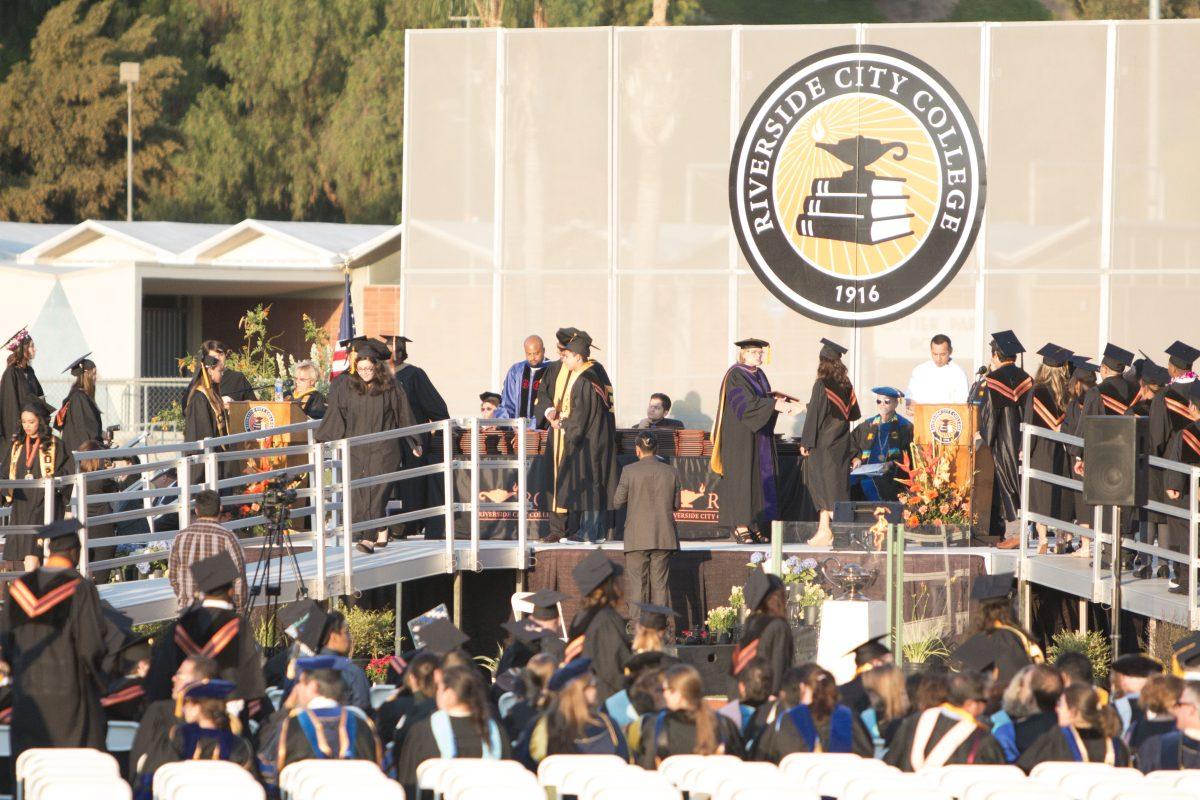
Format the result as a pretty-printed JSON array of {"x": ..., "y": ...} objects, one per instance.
[{"x": 851, "y": 578}]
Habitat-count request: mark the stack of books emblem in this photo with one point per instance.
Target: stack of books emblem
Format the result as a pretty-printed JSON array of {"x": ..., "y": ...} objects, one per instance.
[{"x": 858, "y": 205}]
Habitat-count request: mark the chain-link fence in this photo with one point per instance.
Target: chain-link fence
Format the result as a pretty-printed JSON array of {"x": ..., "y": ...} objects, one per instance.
[{"x": 152, "y": 407}]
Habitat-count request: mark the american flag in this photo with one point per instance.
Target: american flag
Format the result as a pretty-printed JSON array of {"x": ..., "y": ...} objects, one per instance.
[{"x": 341, "y": 356}]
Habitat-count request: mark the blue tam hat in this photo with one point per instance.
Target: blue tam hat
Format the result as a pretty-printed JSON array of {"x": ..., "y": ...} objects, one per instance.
[
  {"x": 568, "y": 672},
  {"x": 312, "y": 663},
  {"x": 888, "y": 391},
  {"x": 213, "y": 689}
]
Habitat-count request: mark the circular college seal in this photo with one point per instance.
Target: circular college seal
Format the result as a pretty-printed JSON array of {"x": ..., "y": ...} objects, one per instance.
[
  {"x": 258, "y": 418},
  {"x": 857, "y": 185},
  {"x": 945, "y": 426}
]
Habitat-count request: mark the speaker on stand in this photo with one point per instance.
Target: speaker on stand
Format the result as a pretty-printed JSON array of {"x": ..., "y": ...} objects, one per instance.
[{"x": 1116, "y": 475}]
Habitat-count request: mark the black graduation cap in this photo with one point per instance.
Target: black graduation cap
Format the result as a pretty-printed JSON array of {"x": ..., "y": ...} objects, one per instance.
[
  {"x": 870, "y": 649},
  {"x": 581, "y": 343},
  {"x": 440, "y": 637},
  {"x": 592, "y": 571},
  {"x": 490, "y": 397},
  {"x": 215, "y": 572},
  {"x": 137, "y": 649},
  {"x": 832, "y": 350},
  {"x": 393, "y": 338},
  {"x": 1154, "y": 374},
  {"x": 651, "y": 659},
  {"x": 312, "y": 628},
  {"x": 1186, "y": 654},
  {"x": 62, "y": 534},
  {"x": 545, "y": 603},
  {"x": 82, "y": 363},
  {"x": 758, "y": 586},
  {"x": 1084, "y": 369},
  {"x": 1053, "y": 355},
  {"x": 653, "y": 616},
  {"x": 977, "y": 654},
  {"x": 17, "y": 338},
  {"x": 564, "y": 335},
  {"x": 746, "y": 344},
  {"x": 993, "y": 587},
  {"x": 526, "y": 630},
  {"x": 291, "y": 617},
  {"x": 37, "y": 405},
  {"x": 1007, "y": 344},
  {"x": 1136, "y": 665},
  {"x": 1182, "y": 355},
  {"x": 1116, "y": 358}
]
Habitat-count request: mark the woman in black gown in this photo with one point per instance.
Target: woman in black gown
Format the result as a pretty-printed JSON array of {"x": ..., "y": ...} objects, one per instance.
[
  {"x": 1088, "y": 731},
  {"x": 19, "y": 385},
  {"x": 370, "y": 404},
  {"x": 34, "y": 453},
  {"x": 766, "y": 633},
  {"x": 818, "y": 723},
  {"x": 598, "y": 631},
  {"x": 1083, "y": 378},
  {"x": 686, "y": 726},
  {"x": 79, "y": 419},
  {"x": 1045, "y": 407},
  {"x": 104, "y": 530},
  {"x": 826, "y": 438}
]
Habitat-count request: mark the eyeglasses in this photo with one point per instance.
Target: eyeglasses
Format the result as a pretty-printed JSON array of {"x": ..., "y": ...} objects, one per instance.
[{"x": 882, "y": 401}]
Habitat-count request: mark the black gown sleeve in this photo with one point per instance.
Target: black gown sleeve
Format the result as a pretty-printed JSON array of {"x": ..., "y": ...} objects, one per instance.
[
  {"x": 418, "y": 747},
  {"x": 1047, "y": 747},
  {"x": 776, "y": 643},
  {"x": 333, "y": 424},
  {"x": 198, "y": 419},
  {"x": 609, "y": 651},
  {"x": 818, "y": 409}
]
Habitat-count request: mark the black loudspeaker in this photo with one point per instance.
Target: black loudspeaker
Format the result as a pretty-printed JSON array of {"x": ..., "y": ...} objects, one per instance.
[
  {"x": 713, "y": 662},
  {"x": 1114, "y": 456}
]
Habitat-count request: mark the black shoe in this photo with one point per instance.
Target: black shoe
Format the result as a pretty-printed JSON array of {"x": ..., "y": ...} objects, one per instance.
[
  {"x": 1178, "y": 588},
  {"x": 364, "y": 546},
  {"x": 1142, "y": 572}
]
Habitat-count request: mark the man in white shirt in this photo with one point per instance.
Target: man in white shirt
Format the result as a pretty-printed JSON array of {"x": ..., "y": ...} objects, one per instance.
[{"x": 938, "y": 380}]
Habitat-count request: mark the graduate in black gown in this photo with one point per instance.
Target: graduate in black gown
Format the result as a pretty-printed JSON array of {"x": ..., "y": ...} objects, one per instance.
[
  {"x": 818, "y": 723},
  {"x": 427, "y": 406},
  {"x": 1045, "y": 407},
  {"x": 371, "y": 403},
  {"x": 1087, "y": 730},
  {"x": 998, "y": 645},
  {"x": 204, "y": 412},
  {"x": 1184, "y": 447},
  {"x": 743, "y": 456},
  {"x": 949, "y": 733},
  {"x": 234, "y": 385},
  {"x": 572, "y": 723},
  {"x": 598, "y": 631},
  {"x": 686, "y": 726},
  {"x": 1000, "y": 419},
  {"x": 766, "y": 633},
  {"x": 826, "y": 438},
  {"x": 34, "y": 453},
  {"x": 19, "y": 384},
  {"x": 462, "y": 727},
  {"x": 1140, "y": 523},
  {"x": 537, "y": 633},
  {"x": 210, "y": 627},
  {"x": 79, "y": 418},
  {"x": 415, "y": 700},
  {"x": 125, "y": 699},
  {"x": 585, "y": 447},
  {"x": 151, "y": 742},
  {"x": 52, "y": 644},
  {"x": 867, "y": 656},
  {"x": 1083, "y": 379},
  {"x": 1169, "y": 413}
]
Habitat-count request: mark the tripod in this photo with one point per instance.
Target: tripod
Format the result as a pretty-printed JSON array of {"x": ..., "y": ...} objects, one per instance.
[{"x": 268, "y": 579}]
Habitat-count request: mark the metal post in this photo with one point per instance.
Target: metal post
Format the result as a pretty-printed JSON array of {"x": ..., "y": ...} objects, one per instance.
[
  {"x": 474, "y": 492},
  {"x": 211, "y": 475},
  {"x": 1115, "y": 633},
  {"x": 1023, "y": 561},
  {"x": 318, "y": 524},
  {"x": 522, "y": 507},
  {"x": 448, "y": 488},
  {"x": 398, "y": 635},
  {"x": 1097, "y": 552},
  {"x": 1193, "y": 524},
  {"x": 776, "y": 548},
  {"x": 458, "y": 579},
  {"x": 347, "y": 519},
  {"x": 183, "y": 481},
  {"x": 82, "y": 515},
  {"x": 129, "y": 154}
]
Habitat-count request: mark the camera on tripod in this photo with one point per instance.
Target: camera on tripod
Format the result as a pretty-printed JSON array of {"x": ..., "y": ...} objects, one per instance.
[{"x": 277, "y": 497}]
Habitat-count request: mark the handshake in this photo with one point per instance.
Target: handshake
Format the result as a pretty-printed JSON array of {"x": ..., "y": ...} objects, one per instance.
[{"x": 786, "y": 404}]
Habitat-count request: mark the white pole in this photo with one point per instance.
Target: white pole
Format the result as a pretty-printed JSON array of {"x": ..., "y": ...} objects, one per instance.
[
  {"x": 81, "y": 515},
  {"x": 474, "y": 492},
  {"x": 183, "y": 480},
  {"x": 129, "y": 154},
  {"x": 347, "y": 520},
  {"x": 522, "y": 500},
  {"x": 318, "y": 525},
  {"x": 448, "y": 489}
]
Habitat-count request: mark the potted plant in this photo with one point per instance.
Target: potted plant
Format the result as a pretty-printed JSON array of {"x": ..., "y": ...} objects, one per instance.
[
  {"x": 1092, "y": 644},
  {"x": 737, "y": 601},
  {"x": 918, "y": 651},
  {"x": 720, "y": 623}
]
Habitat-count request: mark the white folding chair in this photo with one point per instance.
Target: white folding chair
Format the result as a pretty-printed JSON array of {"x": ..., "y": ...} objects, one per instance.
[
  {"x": 859, "y": 787},
  {"x": 76, "y": 788},
  {"x": 908, "y": 794},
  {"x": 226, "y": 791},
  {"x": 621, "y": 793},
  {"x": 384, "y": 790},
  {"x": 1186, "y": 779},
  {"x": 1142, "y": 794},
  {"x": 380, "y": 693},
  {"x": 456, "y": 769},
  {"x": 481, "y": 793},
  {"x": 169, "y": 777},
  {"x": 576, "y": 781},
  {"x": 119, "y": 738},
  {"x": 798, "y": 764},
  {"x": 363, "y": 774},
  {"x": 675, "y": 767},
  {"x": 633, "y": 780},
  {"x": 296, "y": 774},
  {"x": 832, "y": 781},
  {"x": 1108, "y": 789},
  {"x": 91, "y": 765},
  {"x": 957, "y": 778},
  {"x": 1035, "y": 791},
  {"x": 553, "y": 769},
  {"x": 780, "y": 792},
  {"x": 982, "y": 790},
  {"x": 707, "y": 778},
  {"x": 1052, "y": 772},
  {"x": 500, "y": 782}
]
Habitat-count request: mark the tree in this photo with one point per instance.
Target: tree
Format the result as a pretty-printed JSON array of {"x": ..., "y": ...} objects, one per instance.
[{"x": 62, "y": 117}]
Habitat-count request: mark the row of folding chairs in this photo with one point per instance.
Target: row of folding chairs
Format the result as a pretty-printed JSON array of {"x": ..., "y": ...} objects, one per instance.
[
  {"x": 477, "y": 779},
  {"x": 600, "y": 777},
  {"x": 320, "y": 779},
  {"x": 204, "y": 780},
  {"x": 69, "y": 774}
]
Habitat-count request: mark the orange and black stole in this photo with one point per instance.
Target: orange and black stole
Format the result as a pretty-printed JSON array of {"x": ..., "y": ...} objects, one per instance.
[
  {"x": 843, "y": 401},
  {"x": 577, "y": 634},
  {"x": 43, "y": 598},
  {"x": 747, "y": 647},
  {"x": 209, "y": 632}
]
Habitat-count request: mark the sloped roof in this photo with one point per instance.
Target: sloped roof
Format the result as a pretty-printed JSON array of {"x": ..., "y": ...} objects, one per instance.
[
  {"x": 330, "y": 242},
  {"x": 164, "y": 240},
  {"x": 17, "y": 237}
]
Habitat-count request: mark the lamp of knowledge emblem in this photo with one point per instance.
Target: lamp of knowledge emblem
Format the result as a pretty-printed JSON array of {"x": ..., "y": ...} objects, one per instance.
[{"x": 857, "y": 185}]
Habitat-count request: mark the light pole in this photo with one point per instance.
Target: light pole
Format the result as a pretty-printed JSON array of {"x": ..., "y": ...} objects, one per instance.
[{"x": 130, "y": 73}]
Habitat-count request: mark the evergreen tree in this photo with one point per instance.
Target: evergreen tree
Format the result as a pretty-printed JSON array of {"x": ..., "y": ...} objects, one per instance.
[{"x": 62, "y": 117}]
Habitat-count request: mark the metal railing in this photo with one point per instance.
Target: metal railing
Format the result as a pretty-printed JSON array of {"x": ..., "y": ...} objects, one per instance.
[
  {"x": 160, "y": 486},
  {"x": 1186, "y": 563}
]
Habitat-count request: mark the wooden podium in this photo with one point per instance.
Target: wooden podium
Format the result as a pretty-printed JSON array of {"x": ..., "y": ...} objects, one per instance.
[
  {"x": 256, "y": 415},
  {"x": 950, "y": 425}
]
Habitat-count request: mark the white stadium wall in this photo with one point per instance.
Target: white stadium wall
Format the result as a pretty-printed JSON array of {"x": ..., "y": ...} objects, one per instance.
[{"x": 580, "y": 177}]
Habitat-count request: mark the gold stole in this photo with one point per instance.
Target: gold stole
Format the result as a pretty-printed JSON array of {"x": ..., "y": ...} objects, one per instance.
[
  {"x": 563, "y": 384},
  {"x": 1031, "y": 648},
  {"x": 944, "y": 749},
  {"x": 215, "y": 403},
  {"x": 45, "y": 461}
]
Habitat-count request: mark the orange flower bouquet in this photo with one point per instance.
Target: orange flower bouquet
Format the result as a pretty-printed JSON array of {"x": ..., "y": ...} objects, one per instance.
[{"x": 932, "y": 497}]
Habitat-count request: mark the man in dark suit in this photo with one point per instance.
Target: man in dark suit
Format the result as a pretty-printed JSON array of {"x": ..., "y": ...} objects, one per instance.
[{"x": 649, "y": 489}]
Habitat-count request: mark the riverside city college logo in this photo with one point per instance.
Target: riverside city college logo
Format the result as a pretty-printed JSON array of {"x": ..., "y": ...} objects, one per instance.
[{"x": 857, "y": 185}]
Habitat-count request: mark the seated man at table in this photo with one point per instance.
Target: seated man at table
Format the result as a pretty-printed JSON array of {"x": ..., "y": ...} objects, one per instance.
[
  {"x": 656, "y": 414},
  {"x": 882, "y": 440}
]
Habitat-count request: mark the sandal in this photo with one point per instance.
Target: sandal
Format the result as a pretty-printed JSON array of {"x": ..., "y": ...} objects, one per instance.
[
  {"x": 742, "y": 536},
  {"x": 363, "y": 546}
]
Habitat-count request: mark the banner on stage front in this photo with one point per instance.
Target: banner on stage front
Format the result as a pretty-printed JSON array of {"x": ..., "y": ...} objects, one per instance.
[{"x": 857, "y": 185}]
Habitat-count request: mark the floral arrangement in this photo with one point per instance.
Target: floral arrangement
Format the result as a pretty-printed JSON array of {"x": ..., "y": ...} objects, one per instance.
[
  {"x": 377, "y": 669},
  {"x": 932, "y": 496},
  {"x": 722, "y": 619},
  {"x": 737, "y": 598},
  {"x": 800, "y": 573},
  {"x": 146, "y": 567}
]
